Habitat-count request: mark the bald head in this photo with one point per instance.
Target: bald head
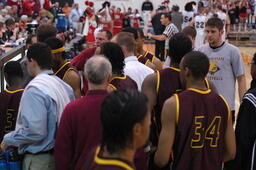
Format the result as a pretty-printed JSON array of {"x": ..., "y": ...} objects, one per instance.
[{"x": 97, "y": 70}]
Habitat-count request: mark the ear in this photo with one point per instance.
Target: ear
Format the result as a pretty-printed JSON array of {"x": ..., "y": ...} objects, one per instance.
[
  {"x": 137, "y": 130},
  {"x": 222, "y": 31},
  {"x": 187, "y": 72}
]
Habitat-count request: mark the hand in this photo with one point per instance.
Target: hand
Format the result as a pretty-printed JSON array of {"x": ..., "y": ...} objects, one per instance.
[
  {"x": 3, "y": 145},
  {"x": 149, "y": 35}
]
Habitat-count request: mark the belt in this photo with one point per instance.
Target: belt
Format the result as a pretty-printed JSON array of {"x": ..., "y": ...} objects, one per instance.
[{"x": 41, "y": 152}]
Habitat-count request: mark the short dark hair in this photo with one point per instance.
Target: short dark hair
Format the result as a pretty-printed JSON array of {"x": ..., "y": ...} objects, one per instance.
[
  {"x": 189, "y": 7},
  {"x": 121, "y": 110},
  {"x": 127, "y": 40},
  {"x": 215, "y": 22},
  {"x": 175, "y": 8},
  {"x": 108, "y": 34},
  {"x": 9, "y": 22},
  {"x": 133, "y": 31},
  {"x": 115, "y": 55},
  {"x": 55, "y": 43},
  {"x": 41, "y": 53},
  {"x": 45, "y": 31},
  {"x": 29, "y": 39},
  {"x": 198, "y": 63},
  {"x": 167, "y": 15},
  {"x": 179, "y": 45},
  {"x": 189, "y": 31},
  {"x": 13, "y": 69}
]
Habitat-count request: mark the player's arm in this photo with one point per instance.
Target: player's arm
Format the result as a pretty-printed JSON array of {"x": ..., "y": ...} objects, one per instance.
[
  {"x": 158, "y": 64},
  {"x": 73, "y": 79},
  {"x": 149, "y": 88},
  {"x": 151, "y": 65},
  {"x": 167, "y": 135},
  {"x": 241, "y": 86},
  {"x": 229, "y": 141},
  {"x": 192, "y": 22}
]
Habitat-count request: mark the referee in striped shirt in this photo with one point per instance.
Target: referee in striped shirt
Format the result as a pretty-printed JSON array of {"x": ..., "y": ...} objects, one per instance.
[{"x": 169, "y": 31}]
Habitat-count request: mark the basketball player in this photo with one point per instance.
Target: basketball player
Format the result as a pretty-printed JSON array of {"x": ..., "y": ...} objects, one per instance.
[
  {"x": 63, "y": 69},
  {"x": 10, "y": 97},
  {"x": 125, "y": 122},
  {"x": 161, "y": 85},
  {"x": 195, "y": 133},
  {"x": 113, "y": 52},
  {"x": 188, "y": 14}
]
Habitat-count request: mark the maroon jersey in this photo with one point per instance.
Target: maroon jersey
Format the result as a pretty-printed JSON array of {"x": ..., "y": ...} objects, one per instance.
[
  {"x": 96, "y": 162},
  {"x": 124, "y": 82},
  {"x": 168, "y": 83},
  {"x": 9, "y": 106},
  {"x": 201, "y": 119},
  {"x": 146, "y": 57},
  {"x": 62, "y": 71}
]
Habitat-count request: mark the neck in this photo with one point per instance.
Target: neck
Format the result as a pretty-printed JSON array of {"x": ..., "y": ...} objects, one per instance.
[
  {"x": 217, "y": 44},
  {"x": 116, "y": 75},
  {"x": 141, "y": 51},
  {"x": 97, "y": 87},
  {"x": 15, "y": 86},
  {"x": 61, "y": 63},
  {"x": 127, "y": 154},
  {"x": 168, "y": 23},
  {"x": 196, "y": 84},
  {"x": 175, "y": 65},
  {"x": 128, "y": 54}
]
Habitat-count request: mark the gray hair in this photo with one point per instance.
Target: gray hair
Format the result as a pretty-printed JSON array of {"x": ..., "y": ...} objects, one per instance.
[{"x": 97, "y": 69}]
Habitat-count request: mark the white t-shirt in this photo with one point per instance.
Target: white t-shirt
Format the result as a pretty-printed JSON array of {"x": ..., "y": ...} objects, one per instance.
[
  {"x": 136, "y": 70},
  {"x": 226, "y": 65}
]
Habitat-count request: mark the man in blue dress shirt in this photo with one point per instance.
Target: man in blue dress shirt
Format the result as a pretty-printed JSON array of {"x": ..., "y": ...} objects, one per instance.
[{"x": 40, "y": 110}]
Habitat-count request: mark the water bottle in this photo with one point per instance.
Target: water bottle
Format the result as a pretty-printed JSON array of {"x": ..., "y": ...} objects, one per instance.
[
  {"x": 3, "y": 163},
  {"x": 14, "y": 160}
]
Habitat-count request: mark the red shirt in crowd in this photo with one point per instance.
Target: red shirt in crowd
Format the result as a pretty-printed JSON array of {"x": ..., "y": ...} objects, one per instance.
[
  {"x": 79, "y": 130},
  {"x": 27, "y": 7}
]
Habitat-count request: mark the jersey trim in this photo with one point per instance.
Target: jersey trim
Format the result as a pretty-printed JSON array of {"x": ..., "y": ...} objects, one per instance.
[
  {"x": 177, "y": 108},
  {"x": 228, "y": 108},
  {"x": 67, "y": 72},
  {"x": 207, "y": 83},
  {"x": 147, "y": 62},
  {"x": 157, "y": 81},
  {"x": 112, "y": 86},
  {"x": 101, "y": 161},
  {"x": 200, "y": 91},
  {"x": 153, "y": 59},
  {"x": 14, "y": 91},
  {"x": 176, "y": 69},
  {"x": 61, "y": 68},
  {"x": 122, "y": 78}
]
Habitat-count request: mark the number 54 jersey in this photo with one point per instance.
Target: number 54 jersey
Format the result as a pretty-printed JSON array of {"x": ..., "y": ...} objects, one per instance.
[{"x": 201, "y": 124}]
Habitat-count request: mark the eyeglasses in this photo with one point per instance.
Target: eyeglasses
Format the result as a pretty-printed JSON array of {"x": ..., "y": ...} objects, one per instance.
[{"x": 253, "y": 62}]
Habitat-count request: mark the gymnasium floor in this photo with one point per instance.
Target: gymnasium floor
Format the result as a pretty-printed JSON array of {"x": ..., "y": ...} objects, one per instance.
[{"x": 246, "y": 53}]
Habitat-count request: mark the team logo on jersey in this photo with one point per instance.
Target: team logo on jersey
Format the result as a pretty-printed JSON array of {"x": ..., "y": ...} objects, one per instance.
[{"x": 213, "y": 67}]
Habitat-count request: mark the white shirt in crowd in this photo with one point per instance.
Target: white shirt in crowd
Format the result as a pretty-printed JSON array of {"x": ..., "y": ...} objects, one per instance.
[{"x": 136, "y": 70}]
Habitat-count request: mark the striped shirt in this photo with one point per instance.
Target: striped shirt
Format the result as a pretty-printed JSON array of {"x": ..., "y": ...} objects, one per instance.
[{"x": 169, "y": 31}]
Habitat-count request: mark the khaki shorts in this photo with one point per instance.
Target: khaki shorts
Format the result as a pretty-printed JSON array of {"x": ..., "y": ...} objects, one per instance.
[{"x": 43, "y": 161}]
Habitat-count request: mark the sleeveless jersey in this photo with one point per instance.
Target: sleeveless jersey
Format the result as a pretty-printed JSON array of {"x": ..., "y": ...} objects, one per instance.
[
  {"x": 62, "y": 71},
  {"x": 201, "y": 119},
  {"x": 135, "y": 20},
  {"x": 146, "y": 57},
  {"x": 187, "y": 17},
  {"x": 168, "y": 83},
  {"x": 124, "y": 82},
  {"x": 9, "y": 107}
]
